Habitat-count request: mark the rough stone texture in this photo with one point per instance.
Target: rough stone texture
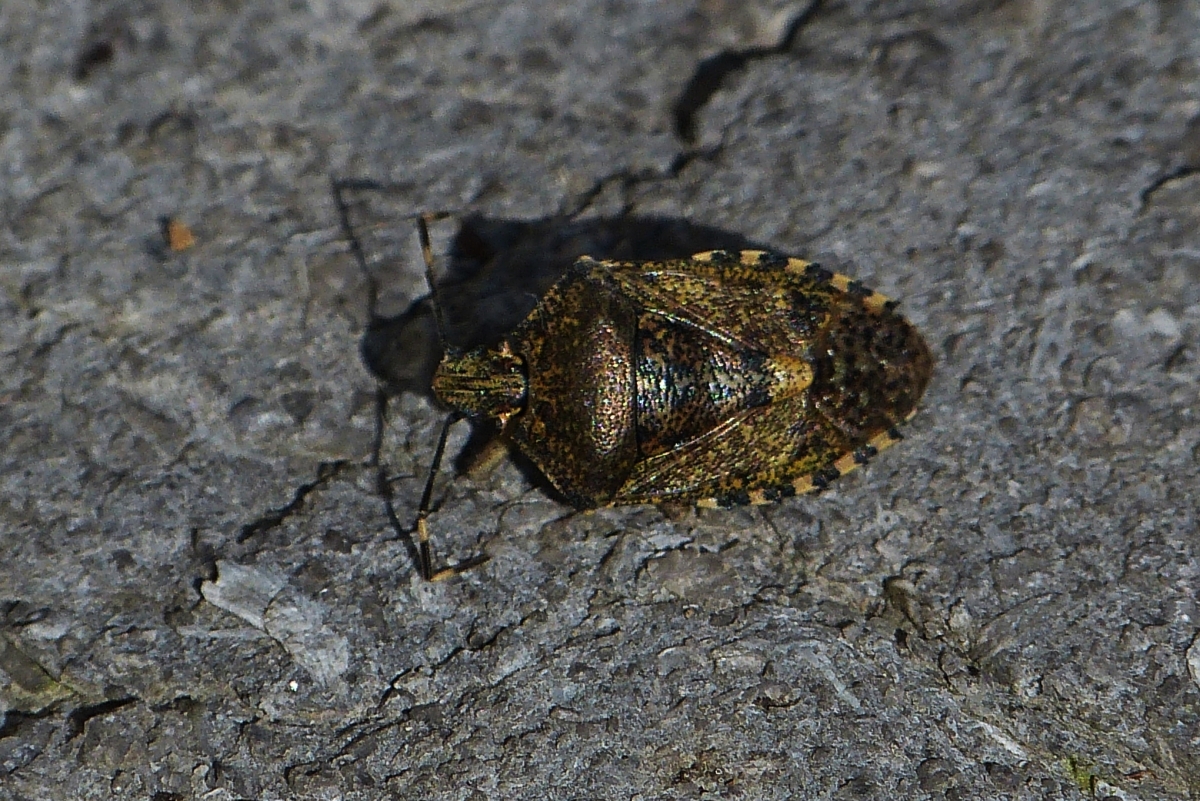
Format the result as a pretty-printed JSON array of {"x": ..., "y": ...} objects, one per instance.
[{"x": 201, "y": 596}]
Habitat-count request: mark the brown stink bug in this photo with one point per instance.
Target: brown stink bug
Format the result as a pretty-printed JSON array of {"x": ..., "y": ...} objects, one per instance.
[{"x": 721, "y": 379}]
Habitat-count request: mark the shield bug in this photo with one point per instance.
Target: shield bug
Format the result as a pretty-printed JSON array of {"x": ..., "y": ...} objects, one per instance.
[{"x": 721, "y": 379}]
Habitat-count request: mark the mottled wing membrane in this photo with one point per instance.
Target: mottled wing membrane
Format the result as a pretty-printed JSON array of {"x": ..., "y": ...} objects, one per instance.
[
  {"x": 779, "y": 307},
  {"x": 771, "y": 306},
  {"x": 771, "y": 446}
]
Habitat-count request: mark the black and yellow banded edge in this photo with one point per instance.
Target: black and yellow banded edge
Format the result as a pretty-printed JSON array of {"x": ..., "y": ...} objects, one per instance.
[
  {"x": 872, "y": 300},
  {"x": 811, "y": 482}
]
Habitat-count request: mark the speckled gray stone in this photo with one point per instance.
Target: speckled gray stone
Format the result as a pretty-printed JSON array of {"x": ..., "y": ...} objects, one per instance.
[{"x": 201, "y": 595}]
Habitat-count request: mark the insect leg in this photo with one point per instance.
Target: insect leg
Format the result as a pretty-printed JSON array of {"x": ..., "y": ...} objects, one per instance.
[
  {"x": 488, "y": 457},
  {"x": 424, "y": 549},
  {"x": 421, "y": 551}
]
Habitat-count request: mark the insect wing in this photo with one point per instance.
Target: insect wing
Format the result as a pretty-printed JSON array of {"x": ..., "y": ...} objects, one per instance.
[
  {"x": 854, "y": 367},
  {"x": 759, "y": 455},
  {"x": 771, "y": 308}
]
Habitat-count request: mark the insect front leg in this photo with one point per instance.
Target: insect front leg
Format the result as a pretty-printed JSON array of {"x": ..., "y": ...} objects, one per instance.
[
  {"x": 422, "y": 552},
  {"x": 423, "y": 511},
  {"x": 424, "y": 549}
]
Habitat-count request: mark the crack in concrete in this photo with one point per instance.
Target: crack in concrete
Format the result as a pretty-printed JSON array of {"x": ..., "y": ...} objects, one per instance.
[
  {"x": 1177, "y": 174},
  {"x": 15, "y": 721},
  {"x": 78, "y": 718},
  {"x": 326, "y": 471},
  {"x": 711, "y": 73},
  {"x": 628, "y": 179},
  {"x": 706, "y": 81}
]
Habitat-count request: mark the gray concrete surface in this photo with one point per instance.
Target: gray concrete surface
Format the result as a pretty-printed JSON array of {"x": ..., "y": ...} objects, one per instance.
[{"x": 200, "y": 594}]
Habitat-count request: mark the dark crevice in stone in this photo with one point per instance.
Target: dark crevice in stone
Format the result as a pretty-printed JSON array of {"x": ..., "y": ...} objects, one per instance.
[
  {"x": 92, "y": 57},
  {"x": 77, "y": 719},
  {"x": 707, "y": 79},
  {"x": 13, "y": 723},
  {"x": 1176, "y": 174},
  {"x": 268, "y": 521},
  {"x": 711, "y": 73},
  {"x": 628, "y": 179}
]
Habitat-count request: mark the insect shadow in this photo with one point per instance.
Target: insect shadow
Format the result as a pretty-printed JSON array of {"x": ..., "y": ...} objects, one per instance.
[
  {"x": 496, "y": 270},
  {"x": 492, "y": 275}
]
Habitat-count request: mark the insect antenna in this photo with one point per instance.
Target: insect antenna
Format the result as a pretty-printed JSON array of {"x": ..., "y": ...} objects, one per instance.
[
  {"x": 421, "y": 552},
  {"x": 426, "y": 506},
  {"x": 423, "y": 221}
]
